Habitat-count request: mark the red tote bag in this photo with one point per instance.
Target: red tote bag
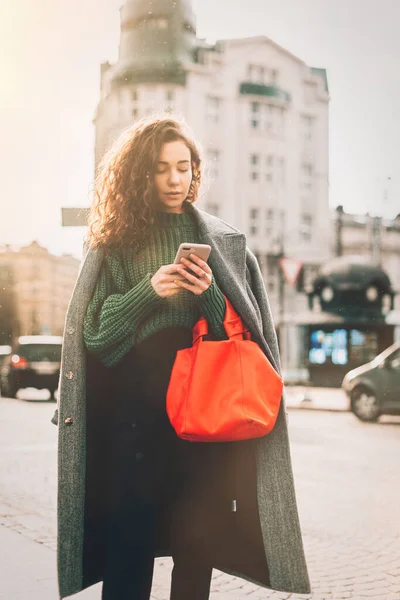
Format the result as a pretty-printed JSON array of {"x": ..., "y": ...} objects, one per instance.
[{"x": 222, "y": 391}]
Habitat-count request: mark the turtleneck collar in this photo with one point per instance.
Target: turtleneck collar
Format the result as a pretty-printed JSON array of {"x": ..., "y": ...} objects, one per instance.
[{"x": 165, "y": 219}]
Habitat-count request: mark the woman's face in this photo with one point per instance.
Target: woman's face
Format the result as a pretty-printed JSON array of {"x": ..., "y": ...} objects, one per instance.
[{"x": 172, "y": 177}]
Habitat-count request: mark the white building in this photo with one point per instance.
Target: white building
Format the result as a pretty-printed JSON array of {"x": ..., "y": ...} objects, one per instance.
[{"x": 261, "y": 115}]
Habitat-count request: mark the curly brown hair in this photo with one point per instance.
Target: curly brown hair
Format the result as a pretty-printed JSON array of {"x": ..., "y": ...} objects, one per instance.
[{"x": 122, "y": 210}]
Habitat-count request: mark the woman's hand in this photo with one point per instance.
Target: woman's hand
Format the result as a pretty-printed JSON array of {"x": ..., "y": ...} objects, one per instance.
[
  {"x": 198, "y": 283},
  {"x": 164, "y": 281}
]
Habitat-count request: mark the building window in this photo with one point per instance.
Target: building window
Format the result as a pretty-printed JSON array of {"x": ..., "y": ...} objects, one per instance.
[
  {"x": 254, "y": 167},
  {"x": 254, "y": 215},
  {"x": 213, "y": 108},
  {"x": 269, "y": 168},
  {"x": 306, "y": 222},
  {"x": 261, "y": 74},
  {"x": 135, "y": 104},
  {"x": 269, "y": 118},
  {"x": 274, "y": 119},
  {"x": 170, "y": 101},
  {"x": 306, "y": 182},
  {"x": 213, "y": 163},
  {"x": 307, "y": 125},
  {"x": 269, "y": 222},
  {"x": 272, "y": 272},
  {"x": 255, "y": 114},
  {"x": 256, "y": 73}
]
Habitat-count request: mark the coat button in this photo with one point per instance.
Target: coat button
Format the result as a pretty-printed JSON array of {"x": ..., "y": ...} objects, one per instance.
[
  {"x": 133, "y": 425},
  {"x": 70, "y": 330},
  {"x": 69, "y": 375},
  {"x": 68, "y": 421},
  {"x": 139, "y": 456}
]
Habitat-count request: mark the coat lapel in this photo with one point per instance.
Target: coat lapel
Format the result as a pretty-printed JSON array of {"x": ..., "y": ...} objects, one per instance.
[
  {"x": 85, "y": 285},
  {"x": 228, "y": 263}
]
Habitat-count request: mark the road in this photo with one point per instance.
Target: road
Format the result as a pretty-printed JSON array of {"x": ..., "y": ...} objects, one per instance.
[{"x": 347, "y": 481}]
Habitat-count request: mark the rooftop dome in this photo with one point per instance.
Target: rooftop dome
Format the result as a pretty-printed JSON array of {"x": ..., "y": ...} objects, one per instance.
[
  {"x": 353, "y": 272},
  {"x": 352, "y": 287}
]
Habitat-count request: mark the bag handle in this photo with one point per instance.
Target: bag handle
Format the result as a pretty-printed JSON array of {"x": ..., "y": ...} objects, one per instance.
[{"x": 233, "y": 325}]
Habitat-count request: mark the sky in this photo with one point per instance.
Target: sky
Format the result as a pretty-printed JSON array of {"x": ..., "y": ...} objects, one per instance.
[{"x": 50, "y": 55}]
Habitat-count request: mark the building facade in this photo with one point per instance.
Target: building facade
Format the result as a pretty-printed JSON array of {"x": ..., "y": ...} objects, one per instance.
[
  {"x": 373, "y": 237},
  {"x": 41, "y": 286},
  {"x": 261, "y": 116},
  {"x": 356, "y": 240}
]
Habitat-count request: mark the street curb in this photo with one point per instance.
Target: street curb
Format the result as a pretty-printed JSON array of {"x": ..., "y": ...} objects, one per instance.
[{"x": 318, "y": 408}]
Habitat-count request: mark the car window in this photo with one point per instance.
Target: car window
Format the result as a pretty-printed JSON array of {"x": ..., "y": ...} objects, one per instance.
[{"x": 40, "y": 352}]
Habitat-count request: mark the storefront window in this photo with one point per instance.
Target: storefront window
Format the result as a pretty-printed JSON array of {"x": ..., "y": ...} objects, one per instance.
[
  {"x": 328, "y": 347},
  {"x": 341, "y": 347},
  {"x": 363, "y": 346}
]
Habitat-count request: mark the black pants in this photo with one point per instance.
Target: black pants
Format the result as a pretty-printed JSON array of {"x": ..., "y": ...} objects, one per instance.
[{"x": 149, "y": 469}]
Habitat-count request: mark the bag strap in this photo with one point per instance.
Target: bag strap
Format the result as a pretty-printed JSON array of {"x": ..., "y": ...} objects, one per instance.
[{"x": 233, "y": 325}]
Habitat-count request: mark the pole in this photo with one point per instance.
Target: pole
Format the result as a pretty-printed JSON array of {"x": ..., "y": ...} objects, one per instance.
[{"x": 339, "y": 230}]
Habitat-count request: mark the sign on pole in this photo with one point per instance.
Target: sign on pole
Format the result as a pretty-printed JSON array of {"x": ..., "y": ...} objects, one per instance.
[
  {"x": 291, "y": 268},
  {"x": 74, "y": 217}
]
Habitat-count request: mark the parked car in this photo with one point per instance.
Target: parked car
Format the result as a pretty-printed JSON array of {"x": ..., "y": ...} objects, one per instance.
[
  {"x": 34, "y": 362},
  {"x": 374, "y": 388}
]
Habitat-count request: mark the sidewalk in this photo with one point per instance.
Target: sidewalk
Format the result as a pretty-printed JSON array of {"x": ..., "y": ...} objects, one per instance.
[
  {"x": 28, "y": 572},
  {"x": 316, "y": 398},
  {"x": 27, "y": 569}
]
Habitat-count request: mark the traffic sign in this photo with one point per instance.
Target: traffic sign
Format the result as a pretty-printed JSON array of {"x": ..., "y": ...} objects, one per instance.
[
  {"x": 74, "y": 217},
  {"x": 291, "y": 268}
]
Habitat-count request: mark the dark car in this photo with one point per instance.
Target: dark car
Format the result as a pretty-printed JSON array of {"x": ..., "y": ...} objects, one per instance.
[
  {"x": 34, "y": 362},
  {"x": 374, "y": 388}
]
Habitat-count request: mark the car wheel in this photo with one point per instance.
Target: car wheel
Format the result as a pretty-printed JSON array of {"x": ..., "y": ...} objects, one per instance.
[{"x": 364, "y": 404}]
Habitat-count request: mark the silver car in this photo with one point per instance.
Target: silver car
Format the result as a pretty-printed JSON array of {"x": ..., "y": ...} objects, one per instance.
[{"x": 374, "y": 388}]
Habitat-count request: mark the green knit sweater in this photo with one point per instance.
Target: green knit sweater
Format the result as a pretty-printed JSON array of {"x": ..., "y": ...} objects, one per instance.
[{"x": 125, "y": 309}]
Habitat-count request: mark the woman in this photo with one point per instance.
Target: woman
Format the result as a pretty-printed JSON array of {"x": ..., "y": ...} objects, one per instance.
[{"x": 129, "y": 488}]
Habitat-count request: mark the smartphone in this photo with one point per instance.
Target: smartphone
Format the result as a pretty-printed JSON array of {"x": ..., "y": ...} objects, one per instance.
[{"x": 200, "y": 250}]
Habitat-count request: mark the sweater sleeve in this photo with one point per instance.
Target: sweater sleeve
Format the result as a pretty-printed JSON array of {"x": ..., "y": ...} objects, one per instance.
[
  {"x": 212, "y": 306},
  {"x": 112, "y": 318}
]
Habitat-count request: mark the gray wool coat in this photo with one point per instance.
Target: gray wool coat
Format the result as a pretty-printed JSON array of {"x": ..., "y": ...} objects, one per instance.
[{"x": 237, "y": 273}]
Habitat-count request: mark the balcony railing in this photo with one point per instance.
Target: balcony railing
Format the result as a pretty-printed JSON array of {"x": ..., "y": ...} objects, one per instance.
[{"x": 259, "y": 89}]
